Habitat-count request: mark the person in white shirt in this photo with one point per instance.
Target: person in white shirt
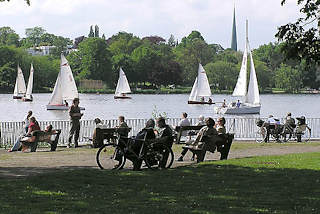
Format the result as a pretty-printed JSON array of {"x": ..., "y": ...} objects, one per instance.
[
  {"x": 184, "y": 122},
  {"x": 201, "y": 121},
  {"x": 26, "y": 121}
]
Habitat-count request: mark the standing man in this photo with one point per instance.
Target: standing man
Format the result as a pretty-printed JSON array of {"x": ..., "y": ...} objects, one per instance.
[{"x": 75, "y": 117}]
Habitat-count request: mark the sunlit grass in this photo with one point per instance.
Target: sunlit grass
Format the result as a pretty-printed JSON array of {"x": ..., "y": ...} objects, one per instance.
[{"x": 269, "y": 184}]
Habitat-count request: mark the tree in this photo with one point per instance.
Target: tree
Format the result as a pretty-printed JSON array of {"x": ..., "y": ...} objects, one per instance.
[
  {"x": 172, "y": 41},
  {"x": 301, "y": 39},
  {"x": 8, "y": 37},
  {"x": 288, "y": 78},
  {"x": 222, "y": 74},
  {"x": 95, "y": 61},
  {"x": 34, "y": 35},
  {"x": 91, "y": 33},
  {"x": 96, "y": 31},
  {"x": 154, "y": 39}
]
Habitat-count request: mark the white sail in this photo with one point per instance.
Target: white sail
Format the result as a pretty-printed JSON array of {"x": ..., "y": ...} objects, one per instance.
[
  {"x": 253, "y": 89},
  {"x": 122, "y": 85},
  {"x": 241, "y": 86},
  {"x": 56, "y": 96},
  {"x": 68, "y": 85},
  {"x": 203, "y": 89},
  {"x": 30, "y": 83},
  {"x": 65, "y": 87},
  {"x": 20, "y": 87},
  {"x": 193, "y": 95}
]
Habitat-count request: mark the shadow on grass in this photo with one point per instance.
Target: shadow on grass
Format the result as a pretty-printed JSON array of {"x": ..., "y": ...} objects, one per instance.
[{"x": 207, "y": 188}]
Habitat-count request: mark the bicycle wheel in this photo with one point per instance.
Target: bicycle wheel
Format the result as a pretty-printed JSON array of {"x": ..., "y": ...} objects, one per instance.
[
  {"x": 261, "y": 135},
  {"x": 110, "y": 156},
  {"x": 158, "y": 155},
  {"x": 304, "y": 136}
]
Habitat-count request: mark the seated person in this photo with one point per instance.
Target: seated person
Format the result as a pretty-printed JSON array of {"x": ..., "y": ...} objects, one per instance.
[
  {"x": 146, "y": 133},
  {"x": 289, "y": 121},
  {"x": 221, "y": 129},
  {"x": 224, "y": 104},
  {"x": 123, "y": 124},
  {"x": 201, "y": 121},
  {"x": 33, "y": 126},
  {"x": 184, "y": 122},
  {"x": 301, "y": 128},
  {"x": 165, "y": 133},
  {"x": 270, "y": 124},
  {"x": 209, "y": 100},
  {"x": 99, "y": 124},
  {"x": 204, "y": 134},
  {"x": 238, "y": 104}
]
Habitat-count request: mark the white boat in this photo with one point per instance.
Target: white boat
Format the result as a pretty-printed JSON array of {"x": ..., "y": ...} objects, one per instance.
[
  {"x": 251, "y": 98},
  {"x": 20, "y": 86},
  {"x": 201, "y": 89},
  {"x": 28, "y": 97},
  {"x": 122, "y": 86},
  {"x": 65, "y": 89}
]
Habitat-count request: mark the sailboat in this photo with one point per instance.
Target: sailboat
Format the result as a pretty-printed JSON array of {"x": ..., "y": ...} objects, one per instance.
[
  {"x": 251, "y": 98},
  {"x": 201, "y": 89},
  {"x": 20, "y": 86},
  {"x": 122, "y": 86},
  {"x": 65, "y": 88},
  {"x": 28, "y": 97}
]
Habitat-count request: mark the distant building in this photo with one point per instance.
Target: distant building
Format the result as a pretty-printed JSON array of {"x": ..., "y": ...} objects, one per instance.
[
  {"x": 91, "y": 84},
  {"x": 234, "y": 32},
  {"x": 40, "y": 51}
]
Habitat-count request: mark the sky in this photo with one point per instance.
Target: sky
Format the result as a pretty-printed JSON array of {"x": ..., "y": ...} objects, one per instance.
[{"x": 212, "y": 18}]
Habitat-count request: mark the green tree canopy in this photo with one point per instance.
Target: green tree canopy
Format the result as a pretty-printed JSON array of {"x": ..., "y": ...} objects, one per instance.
[{"x": 8, "y": 37}]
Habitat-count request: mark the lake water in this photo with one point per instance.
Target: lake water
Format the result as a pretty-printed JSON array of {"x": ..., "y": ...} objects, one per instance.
[{"x": 142, "y": 106}]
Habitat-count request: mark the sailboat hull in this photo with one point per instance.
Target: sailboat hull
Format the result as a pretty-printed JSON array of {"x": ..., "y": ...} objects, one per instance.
[
  {"x": 199, "y": 102},
  {"x": 244, "y": 109},
  {"x": 121, "y": 97},
  {"x": 60, "y": 107},
  {"x": 26, "y": 99},
  {"x": 17, "y": 97}
]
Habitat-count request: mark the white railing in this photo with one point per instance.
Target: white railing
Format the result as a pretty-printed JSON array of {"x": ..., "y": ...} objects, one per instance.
[{"x": 243, "y": 128}]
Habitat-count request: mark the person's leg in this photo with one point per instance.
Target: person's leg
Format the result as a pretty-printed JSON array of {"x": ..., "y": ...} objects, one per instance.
[
  {"x": 16, "y": 146},
  {"x": 71, "y": 133},
  {"x": 76, "y": 137}
]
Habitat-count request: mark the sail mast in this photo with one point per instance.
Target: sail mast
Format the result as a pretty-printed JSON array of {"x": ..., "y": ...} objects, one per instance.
[
  {"x": 241, "y": 86},
  {"x": 30, "y": 83}
]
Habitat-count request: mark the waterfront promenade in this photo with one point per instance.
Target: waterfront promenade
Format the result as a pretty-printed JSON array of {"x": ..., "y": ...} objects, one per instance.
[{"x": 243, "y": 128}]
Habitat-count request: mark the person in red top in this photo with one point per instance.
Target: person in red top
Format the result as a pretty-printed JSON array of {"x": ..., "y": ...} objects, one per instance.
[
  {"x": 34, "y": 126},
  {"x": 29, "y": 137}
]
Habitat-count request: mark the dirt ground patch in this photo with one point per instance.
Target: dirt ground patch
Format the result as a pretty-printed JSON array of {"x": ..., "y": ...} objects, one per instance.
[{"x": 21, "y": 164}]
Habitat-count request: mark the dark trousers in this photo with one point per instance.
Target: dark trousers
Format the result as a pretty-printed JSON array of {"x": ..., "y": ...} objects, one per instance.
[{"x": 74, "y": 130}]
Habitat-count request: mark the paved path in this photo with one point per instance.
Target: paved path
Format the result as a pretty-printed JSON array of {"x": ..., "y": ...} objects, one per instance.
[{"x": 18, "y": 164}]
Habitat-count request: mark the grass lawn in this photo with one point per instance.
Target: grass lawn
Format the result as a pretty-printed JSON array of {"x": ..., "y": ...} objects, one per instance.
[{"x": 268, "y": 184}]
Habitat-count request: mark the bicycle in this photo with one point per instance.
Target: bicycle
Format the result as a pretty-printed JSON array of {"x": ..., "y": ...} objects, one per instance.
[
  {"x": 302, "y": 133},
  {"x": 115, "y": 153}
]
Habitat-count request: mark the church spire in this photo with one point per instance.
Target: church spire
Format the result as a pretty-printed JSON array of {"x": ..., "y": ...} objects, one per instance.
[{"x": 234, "y": 32}]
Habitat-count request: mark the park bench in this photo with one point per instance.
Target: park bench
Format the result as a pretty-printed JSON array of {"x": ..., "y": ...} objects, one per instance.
[
  {"x": 182, "y": 129},
  {"x": 108, "y": 134},
  {"x": 44, "y": 137},
  {"x": 222, "y": 145}
]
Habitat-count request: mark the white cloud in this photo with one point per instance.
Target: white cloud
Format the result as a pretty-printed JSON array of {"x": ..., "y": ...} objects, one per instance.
[{"x": 213, "y": 18}]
